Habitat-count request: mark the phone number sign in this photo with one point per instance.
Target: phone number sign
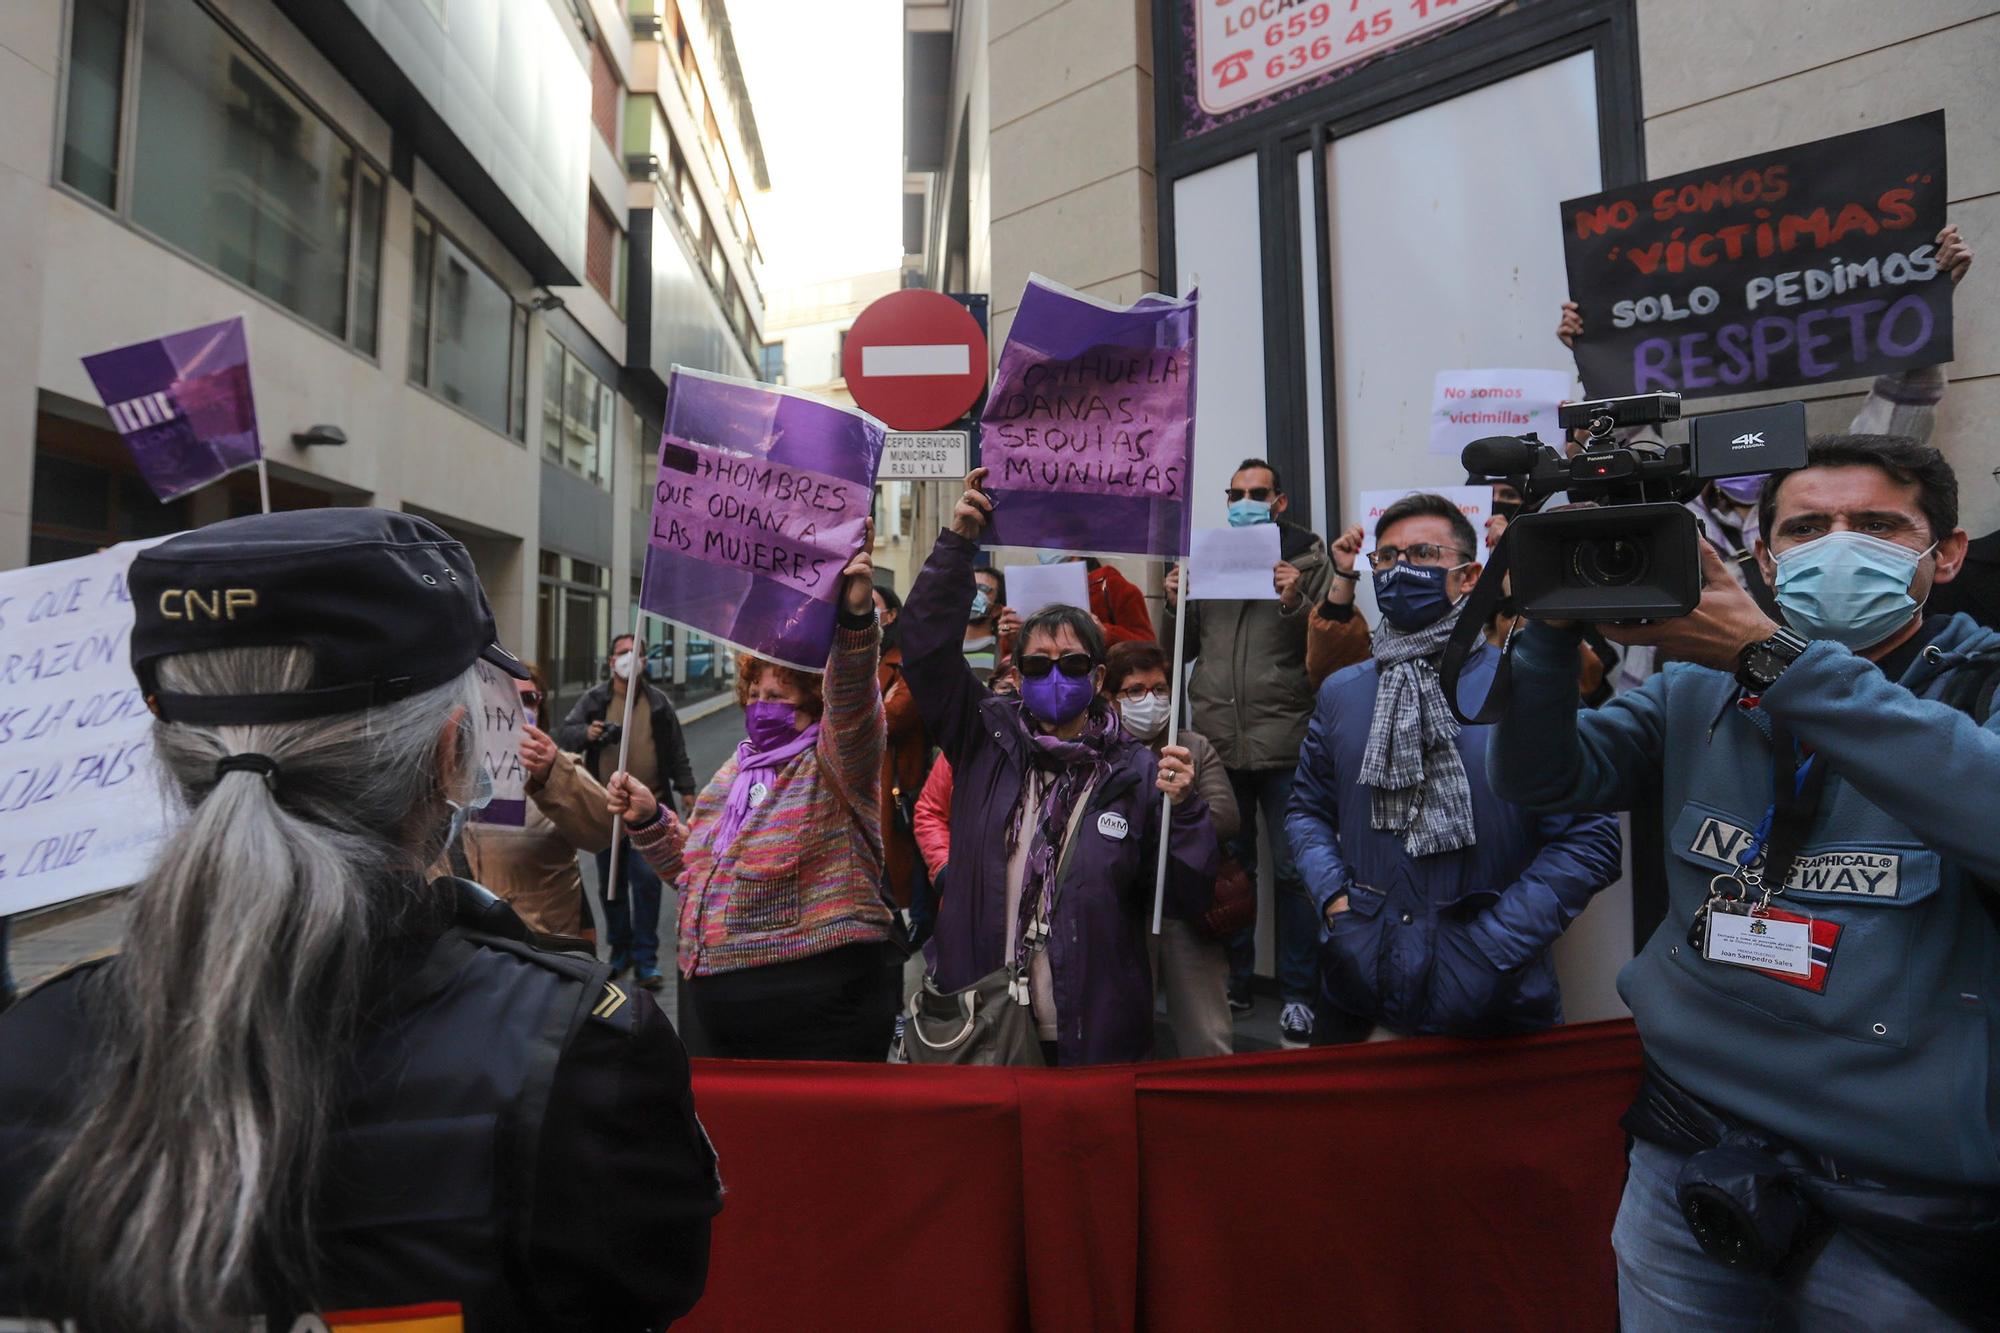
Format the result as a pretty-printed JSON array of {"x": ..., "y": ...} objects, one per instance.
[{"x": 1245, "y": 50}]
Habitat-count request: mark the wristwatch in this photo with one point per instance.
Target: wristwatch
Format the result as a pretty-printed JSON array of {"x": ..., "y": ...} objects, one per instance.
[{"x": 1761, "y": 663}]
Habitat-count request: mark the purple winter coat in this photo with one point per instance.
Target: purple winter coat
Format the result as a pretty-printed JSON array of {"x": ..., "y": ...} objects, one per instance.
[{"x": 1103, "y": 910}]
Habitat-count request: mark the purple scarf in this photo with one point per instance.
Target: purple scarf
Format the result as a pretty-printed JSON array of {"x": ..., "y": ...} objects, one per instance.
[
  {"x": 1075, "y": 765},
  {"x": 754, "y": 767}
]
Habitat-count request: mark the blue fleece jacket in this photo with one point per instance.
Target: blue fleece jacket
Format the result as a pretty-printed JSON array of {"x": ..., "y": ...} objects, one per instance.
[{"x": 1893, "y": 1066}]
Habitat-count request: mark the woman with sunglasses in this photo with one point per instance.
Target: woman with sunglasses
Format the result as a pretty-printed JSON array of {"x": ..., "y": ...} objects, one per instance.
[
  {"x": 1055, "y": 816},
  {"x": 533, "y": 864}
]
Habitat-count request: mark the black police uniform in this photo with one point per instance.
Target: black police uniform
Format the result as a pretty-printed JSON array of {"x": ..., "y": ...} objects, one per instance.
[{"x": 517, "y": 1139}]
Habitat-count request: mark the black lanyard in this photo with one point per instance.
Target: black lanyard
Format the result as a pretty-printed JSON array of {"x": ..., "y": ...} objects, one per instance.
[{"x": 1795, "y": 796}]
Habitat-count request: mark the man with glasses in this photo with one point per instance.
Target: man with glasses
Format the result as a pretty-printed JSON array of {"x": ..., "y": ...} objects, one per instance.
[
  {"x": 1440, "y": 900},
  {"x": 1821, "y": 995},
  {"x": 1250, "y": 696}
]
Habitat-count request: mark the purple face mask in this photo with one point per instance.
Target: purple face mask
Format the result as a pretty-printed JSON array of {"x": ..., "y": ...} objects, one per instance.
[
  {"x": 1055, "y": 698},
  {"x": 1742, "y": 490},
  {"x": 769, "y": 723}
]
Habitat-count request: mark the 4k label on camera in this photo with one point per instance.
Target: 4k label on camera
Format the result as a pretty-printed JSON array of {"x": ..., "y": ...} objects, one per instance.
[{"x": 1767, "y": 943}]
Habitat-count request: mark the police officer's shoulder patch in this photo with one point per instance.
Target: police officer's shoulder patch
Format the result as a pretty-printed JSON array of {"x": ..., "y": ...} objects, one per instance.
[{"x": 615, "y": 1008}]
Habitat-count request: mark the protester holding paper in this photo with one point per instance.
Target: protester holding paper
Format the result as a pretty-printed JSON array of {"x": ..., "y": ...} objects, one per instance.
[
  {"x": 1249, "y": 695},
  {"x": 1336, "y": 635},
  {"x": 1056, "y": 815},
  {"x": 783, "y": 930}
]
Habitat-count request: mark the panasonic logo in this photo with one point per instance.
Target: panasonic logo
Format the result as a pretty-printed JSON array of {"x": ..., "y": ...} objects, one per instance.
[{"x": 1754, "y": 440}]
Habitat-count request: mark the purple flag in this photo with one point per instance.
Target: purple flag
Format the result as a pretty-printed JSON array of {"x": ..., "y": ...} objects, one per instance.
[
  {"x": 1088, "y": 433},
  {"x": 183, "y": 404},
  {"x": 761, "y": 498}
]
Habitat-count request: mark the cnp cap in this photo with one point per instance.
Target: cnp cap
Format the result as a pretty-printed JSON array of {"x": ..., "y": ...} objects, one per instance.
[{"x": 387, "y": 604}]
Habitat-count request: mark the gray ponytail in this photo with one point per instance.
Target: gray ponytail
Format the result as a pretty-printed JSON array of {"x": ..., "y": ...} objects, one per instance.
[{"x": 186, "y": 1197}]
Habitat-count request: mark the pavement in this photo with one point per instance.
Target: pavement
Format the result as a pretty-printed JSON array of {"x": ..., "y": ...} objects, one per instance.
[{"x": 46, "y": 942}]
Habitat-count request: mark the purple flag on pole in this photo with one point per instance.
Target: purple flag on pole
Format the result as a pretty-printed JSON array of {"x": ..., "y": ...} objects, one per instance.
[
  {"x": 183, "y": 404},
  {"x": 1088, "y": 433},
  {"x": 761, "y": 498}
]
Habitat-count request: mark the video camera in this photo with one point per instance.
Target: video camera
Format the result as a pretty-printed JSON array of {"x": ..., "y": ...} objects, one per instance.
[{"x": 1632, "y": 555}]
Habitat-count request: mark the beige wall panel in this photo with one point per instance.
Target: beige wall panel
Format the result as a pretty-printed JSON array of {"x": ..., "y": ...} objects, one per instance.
[
  {"x": 1011, "y": 14},
  {"x": 1087, "y": 236},
  {"x": 1958, "y": 69},
  {"x": 32, "y": 30},
  {"x": 1693, "y": 50},
  {"x": 23, "y": 205},
  {"x": 1124, "y": 290},
  {"x": 27, "y": 111},
  {"x": 1093, "y": 134},
  {"x": 1068, "y": 48}
]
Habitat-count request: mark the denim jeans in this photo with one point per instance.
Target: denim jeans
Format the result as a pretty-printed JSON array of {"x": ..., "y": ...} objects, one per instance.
[
  {"x": 1266, "y": 792},
  {"x": 638, "y": 887},
  {"x": 1667, "y": 1283}
]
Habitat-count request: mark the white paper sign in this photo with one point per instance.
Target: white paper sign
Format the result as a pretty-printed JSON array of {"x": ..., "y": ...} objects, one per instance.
[
  {"x": 81, "y": 808},
  {"x": 1468, "y": 405},
  {"x": 1233, "y": 564},
  {"x": 1032, "y": 587},
  {"x": 1246, "y": 51},
  {"x": 1475, "y": 502},
  {"x": 501, "y": 723},
  {"x": 931, "y": 455}
]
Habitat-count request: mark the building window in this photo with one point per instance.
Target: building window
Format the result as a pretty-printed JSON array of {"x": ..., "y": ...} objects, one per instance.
[
  {"x": 579, "y": 415},
  {"x": 96, "y": 97},
  {"x": 367, "y": 256},
  {"x": 645, "y": 468},
  {"x": 468, "y": 343},
  {"x": 605, "y": 94},
  {"x": 771, "y": 363},
  {"x": 81, "y": 508},
  {"x": 573, "y": 633},
  {"x": 601, "y": 241}
]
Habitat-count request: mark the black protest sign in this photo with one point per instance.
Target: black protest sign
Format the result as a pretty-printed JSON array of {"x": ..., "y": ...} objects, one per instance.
[{"x": 1792, "y": 267}]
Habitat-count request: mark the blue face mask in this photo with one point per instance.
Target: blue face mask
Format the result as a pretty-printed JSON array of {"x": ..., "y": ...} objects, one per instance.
[
  {"x": 482, "y": 796},
  {"x": 1848, "y": 587},
  {"x": 1248, "y": 513},
  {"x": 980, "y": 606},
  {"x": 1051, "y": 557},
  {"x": 1411, "y": 597}
]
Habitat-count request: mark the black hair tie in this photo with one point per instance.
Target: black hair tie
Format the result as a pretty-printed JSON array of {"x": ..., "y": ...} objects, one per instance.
[{"x": 261, "y": 764}]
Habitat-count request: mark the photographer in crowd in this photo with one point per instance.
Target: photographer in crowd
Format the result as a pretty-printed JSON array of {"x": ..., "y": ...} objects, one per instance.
[
  {"x": 1440, "y": 899},
  {"x": 657, "y": 756},
  {"x": 1816, "y": 1133}
]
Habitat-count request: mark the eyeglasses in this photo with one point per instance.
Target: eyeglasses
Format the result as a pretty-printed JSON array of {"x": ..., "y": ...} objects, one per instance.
[
  {"x": 532, "y": 698},
  {"x": 1419, "y": 553},
  {"x": 1257, "y": 493},
  {"x": 1132, "y": 694},
  {"x": 1036, "y": 665}
]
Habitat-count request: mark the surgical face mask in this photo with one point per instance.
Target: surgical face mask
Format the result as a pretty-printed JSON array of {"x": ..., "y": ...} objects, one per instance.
[
  {"x": 1848, "y": 587},
  {"x": 1144, "y": 718},
  {"x": 482, "y": 796},
  {"x": 1057, "y": 698},
  {"x": 1412, "y": 597},
  {"x": 1248, "y": 513},
  {"x": 980, "y": 605},
  {"x": 770, "y": 723},
  {"x": 1052, "y": 557},
  {"x": 621, "y": 665},
  {"x": 1741, "y": 490}
]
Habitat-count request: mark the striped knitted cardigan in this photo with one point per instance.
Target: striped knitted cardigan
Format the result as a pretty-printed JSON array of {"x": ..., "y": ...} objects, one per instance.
[{"x": 805, "y": 872}]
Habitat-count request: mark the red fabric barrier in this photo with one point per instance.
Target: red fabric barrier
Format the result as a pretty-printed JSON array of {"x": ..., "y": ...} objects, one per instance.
[{"x": 1419, "y": 1184}]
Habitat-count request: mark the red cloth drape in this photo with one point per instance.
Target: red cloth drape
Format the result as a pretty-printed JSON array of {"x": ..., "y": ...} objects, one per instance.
[{"x": 1419, "y": 1184}]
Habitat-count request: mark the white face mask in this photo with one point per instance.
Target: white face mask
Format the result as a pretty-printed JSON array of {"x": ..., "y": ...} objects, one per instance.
[
  {"x": 621, "y": 665},
  {"x": 1144, "y": 718}
]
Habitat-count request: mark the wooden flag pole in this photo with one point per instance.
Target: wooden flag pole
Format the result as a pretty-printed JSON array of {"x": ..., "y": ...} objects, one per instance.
[
  {"x": 1173, "y": 738},
  {"x": 633, "y": 684}
]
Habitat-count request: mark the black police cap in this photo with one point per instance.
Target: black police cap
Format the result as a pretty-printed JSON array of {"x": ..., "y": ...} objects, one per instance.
[{"x": 387, "y": 604}]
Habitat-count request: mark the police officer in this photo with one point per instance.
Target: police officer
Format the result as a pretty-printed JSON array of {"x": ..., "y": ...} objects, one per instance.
[
  {"x": 316, "y": 1080},
  {"x": 1816, "y": 1143}
]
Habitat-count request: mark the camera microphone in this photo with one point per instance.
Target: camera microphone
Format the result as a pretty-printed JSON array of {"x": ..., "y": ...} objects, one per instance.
[{"x": 1500, "y": 456}]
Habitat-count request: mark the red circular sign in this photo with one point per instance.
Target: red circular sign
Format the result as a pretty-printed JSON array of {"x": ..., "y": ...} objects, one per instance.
[{"x": 916, "y": 359}]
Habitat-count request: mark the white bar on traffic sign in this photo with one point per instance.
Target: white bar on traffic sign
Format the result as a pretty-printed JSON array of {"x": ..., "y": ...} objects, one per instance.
[
  {"x": 924, "y": 455},
  {"x": 916, "y": 359}
]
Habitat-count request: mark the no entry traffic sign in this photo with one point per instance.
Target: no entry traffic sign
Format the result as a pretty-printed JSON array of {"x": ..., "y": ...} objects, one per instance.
[{"x": 916, "y": 359}]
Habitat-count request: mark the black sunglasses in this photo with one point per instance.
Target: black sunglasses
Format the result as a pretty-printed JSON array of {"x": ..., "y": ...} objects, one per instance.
[
  {"x": 532, "y": 698},
  {"x": 1036, "y": 665},
  {"x": 1257, "y": 493}
]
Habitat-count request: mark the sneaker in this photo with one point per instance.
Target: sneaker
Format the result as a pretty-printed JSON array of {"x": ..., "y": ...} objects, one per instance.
[
  {"x": 1295, "y": 1025},
  {"x": 650, "y": 979},
  {"x": 1240, "y": 1002},
  {"x": 620, "y": 960}
]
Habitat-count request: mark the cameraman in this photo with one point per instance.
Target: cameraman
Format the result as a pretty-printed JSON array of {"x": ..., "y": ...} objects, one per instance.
[{"x": 1849, "y": 764}]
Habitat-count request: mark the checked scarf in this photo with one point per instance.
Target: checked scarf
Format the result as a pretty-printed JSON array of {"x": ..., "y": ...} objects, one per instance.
[
  {"x": 1074, "y": 767},
  {"x": 1420, "y": 787}
]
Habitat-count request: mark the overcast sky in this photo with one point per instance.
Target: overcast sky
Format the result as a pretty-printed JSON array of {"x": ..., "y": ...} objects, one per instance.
[{"x": 826, "y": 82}]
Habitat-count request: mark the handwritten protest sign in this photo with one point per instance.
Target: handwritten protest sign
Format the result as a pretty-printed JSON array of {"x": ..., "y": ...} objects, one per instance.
[
  {"x": 183, "y": 405},
  {"x": 1032, "y": 587},
  {"x": 501, "y": 728},
  {"x": 1792, "y": 267},
  {"x": 1475, "y": 502},
  {"x": 1234, "y": 564},
  {"x": 1088, "y": 431},
  {"x": 80, "y": 803},
  {"x": 1467, "y": 405},
  {"x": 762, "y": 497}
]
